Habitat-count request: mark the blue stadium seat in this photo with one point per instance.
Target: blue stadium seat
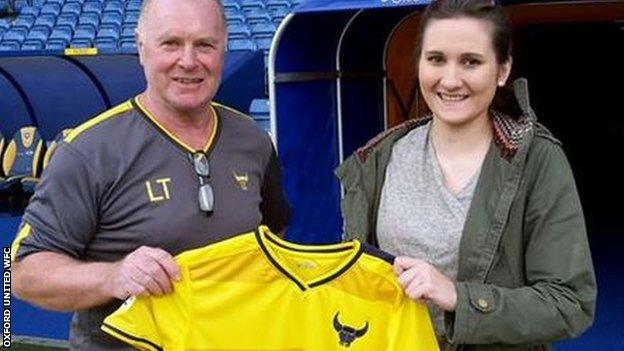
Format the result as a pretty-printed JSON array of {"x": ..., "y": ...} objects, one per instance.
[
  {"x": 131, "y": 17},
  {"x": 114, "y": 6},
  {"x": 127, "y": 31},
  {"x": 24, "y": 21},
  {"x": 259, "y": 110},
  {"x": 84, "y": 32},
  {"x": 239, "y": 31},
  {"x": 105, "y": 43},
  {"x": 59, "y": 2},
  {"x": 279, "y": 12},
  {"x": 22, "y": 160},
  {"x": 112, "y": 18},
  {"x": 108, "y": 31},
  {"x": 56, "y": 44},
  {"x": 61, "y": 33},
  {"x": 2, "y": 30},
  {"x": 69, "y": 20},
  {"x": 127, "y": 43},
  {"x": 9, "y": 46},
  {"x": 80, "y": 43},
  {"x": 89, "y": 19},
  {"x": 264, "y": 43},
  {"x": 133, "y": 5},
  {"x": 4, "y": 6},
  {"x": 16, "y": 35},
  {"x": 273, "y": 4},
  {"x": 30, "y": 10},
  {"x": 46, "y": 20},
  {"x": 256, "y": 16},
  {"x": 72, "y": 7},
  {"x": 250, "y": 5},
  {"x": 241, "y": 44},
  {"x": 262, "y": 30},
  {"x": 231, "y": 5},
  {"x": 38, "y": 3},
  {"x": 50, "y": 9},
  {"x": 5, "y": 23},
  {"x": 237, "y": 18},
  {"x": 92, "y": 7},
  {"x": 30, "y": 44},
  {"x": 277, "y": 21},
  {"x": 38, "y": 34},
  {"x": 18, "y": 5}
]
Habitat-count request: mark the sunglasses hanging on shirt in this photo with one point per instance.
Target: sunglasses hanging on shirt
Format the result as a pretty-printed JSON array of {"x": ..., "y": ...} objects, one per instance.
[{"x": 206, "y": 194}]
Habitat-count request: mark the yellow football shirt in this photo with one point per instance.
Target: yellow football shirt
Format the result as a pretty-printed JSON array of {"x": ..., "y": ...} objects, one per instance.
[{"x": 258, "y": 292}]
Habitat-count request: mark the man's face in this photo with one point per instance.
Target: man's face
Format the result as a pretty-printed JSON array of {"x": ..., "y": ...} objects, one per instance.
[{"x": 181, "y": 48}]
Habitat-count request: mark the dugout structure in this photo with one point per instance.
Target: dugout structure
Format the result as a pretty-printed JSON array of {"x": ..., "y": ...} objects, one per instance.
[{"x": 341, "y": 71}]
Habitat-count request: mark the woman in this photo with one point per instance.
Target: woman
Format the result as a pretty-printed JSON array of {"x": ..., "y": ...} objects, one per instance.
[{"x": 477, "y": 199}]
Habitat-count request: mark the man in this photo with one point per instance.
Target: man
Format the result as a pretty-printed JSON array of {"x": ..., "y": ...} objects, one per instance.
[{"x": 163, "y": 173}]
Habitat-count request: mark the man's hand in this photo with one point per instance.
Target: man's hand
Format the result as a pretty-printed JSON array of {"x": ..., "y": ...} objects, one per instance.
[
  {"x": 422, "y": 281},
  {"x": 145, "y": 271}
]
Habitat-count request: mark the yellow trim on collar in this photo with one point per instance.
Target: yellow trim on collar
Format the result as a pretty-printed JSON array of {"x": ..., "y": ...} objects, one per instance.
[
  {"x": 241, "y": 114},
  {"x": 176, "y": 139},
  {"x": 97, "y": 120}
]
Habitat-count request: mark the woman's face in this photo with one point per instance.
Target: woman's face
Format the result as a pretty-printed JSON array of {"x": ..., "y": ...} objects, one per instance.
[{"x": 458, "y": 71}]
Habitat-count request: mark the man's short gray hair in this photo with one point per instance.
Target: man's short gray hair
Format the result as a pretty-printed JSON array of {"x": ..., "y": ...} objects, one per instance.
[{"x": 146, "y": 4}]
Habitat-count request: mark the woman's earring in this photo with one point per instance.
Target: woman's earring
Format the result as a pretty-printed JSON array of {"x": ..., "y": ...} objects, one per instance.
[{"x": 501, "y": 83}]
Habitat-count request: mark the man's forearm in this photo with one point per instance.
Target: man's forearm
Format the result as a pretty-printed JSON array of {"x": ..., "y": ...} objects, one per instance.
[{"x": 58, "y": 282}]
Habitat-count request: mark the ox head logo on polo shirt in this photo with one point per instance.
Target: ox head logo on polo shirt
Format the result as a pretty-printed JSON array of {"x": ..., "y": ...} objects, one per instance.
[
  {"x": 242, "y": 179},
  {"x": 348, "y": 334}
]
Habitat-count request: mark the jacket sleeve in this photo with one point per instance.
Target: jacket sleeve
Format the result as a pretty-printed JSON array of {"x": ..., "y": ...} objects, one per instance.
[
  {"x": 355, "y": 204},
  {"x": 558, "y": 300}
]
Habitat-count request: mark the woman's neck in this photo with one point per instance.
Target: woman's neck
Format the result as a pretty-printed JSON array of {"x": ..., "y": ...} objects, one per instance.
[
  {"x": 460, "y": 150},
  {"x": 460, "y": 140}
]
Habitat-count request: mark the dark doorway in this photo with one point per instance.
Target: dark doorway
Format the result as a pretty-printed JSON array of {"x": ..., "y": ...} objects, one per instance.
[{"x": 576, "y": 81}]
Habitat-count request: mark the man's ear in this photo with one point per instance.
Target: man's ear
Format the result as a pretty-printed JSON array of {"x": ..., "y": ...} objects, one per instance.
[{"x": 138, "y": 38}]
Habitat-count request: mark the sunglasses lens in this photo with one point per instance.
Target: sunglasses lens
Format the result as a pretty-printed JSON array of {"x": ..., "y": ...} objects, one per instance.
[
  {"x": 206, "y": 198},
  {"x": 202, "y": 167}
]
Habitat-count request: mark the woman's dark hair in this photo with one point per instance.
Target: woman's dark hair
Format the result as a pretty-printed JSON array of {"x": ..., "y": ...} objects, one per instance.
[{"x": 485, "y": 10}]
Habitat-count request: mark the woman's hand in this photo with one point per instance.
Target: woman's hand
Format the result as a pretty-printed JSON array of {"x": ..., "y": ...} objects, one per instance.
[{"x": 422, "y": 281}]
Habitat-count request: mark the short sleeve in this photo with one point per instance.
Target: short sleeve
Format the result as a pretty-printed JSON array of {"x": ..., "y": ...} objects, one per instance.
[
  {"x": 62, "y": 214},
  {"x": 132, "y": 324},
  {"x": 274, "y": 207},
  {"x": 153, "y": 323}
]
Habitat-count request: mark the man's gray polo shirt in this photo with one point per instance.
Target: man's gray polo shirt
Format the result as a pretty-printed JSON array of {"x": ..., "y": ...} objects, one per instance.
[{"x": 120, "y": 181}]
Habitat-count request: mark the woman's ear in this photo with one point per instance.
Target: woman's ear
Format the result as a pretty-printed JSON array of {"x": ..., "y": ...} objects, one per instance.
[{"x": 504, "y": 71}]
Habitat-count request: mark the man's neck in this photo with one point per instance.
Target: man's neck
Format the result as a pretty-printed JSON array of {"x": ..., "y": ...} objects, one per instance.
[{"x": 192, "y": 127}]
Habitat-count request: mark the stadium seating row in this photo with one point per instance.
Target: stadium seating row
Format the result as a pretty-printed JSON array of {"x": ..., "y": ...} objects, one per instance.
[
  {"x": 110, "y": 24},
  {"x": 23, "y": 159}
]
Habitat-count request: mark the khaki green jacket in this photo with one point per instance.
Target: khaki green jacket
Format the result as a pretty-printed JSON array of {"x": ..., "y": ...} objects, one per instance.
[{"x": 525, "y": 274}]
